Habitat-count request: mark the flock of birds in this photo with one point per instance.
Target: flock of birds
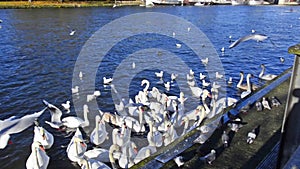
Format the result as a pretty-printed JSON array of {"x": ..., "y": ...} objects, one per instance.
[{"x": 151, "y": 113}]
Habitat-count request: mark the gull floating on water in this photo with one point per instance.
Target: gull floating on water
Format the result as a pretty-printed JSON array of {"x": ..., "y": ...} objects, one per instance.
[
  {"x": 66, "y": 106},
  {"x": 257, "y": 37},
  {"x": 72, "y": 32}
]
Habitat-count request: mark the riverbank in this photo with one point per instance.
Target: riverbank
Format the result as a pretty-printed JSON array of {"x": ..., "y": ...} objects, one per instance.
[{"x": 56, "y": 4}]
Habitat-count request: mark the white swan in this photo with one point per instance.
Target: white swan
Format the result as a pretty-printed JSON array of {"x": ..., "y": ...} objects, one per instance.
[
  {"x": 244, "y": 86},
  {"x": 114, "y": 153},
  {"x": 92, "y": 164},
  {"x": 170, "y": 134},
  {"x": 145, "y": 152},
  {"x": 14, "y": 125},
  {"x": 121, "y": 137},
  {"x": 154, "y": 136},
  {"x": 196, "y": 91},
  {"x": 265, "y": 76},
  {"x": 99, "y": 154},
  {"x": 43, "y": 136},
  {"x": 129, "y": 152},
  {"x": 70, "y": 121},
  {"x": 99, "y": 134},
  {"x": 38, "y": 157},
  {"x": 246, "y": 93},
  {"x": 76, "y": 149},
  {"x": 185, "y": 121}
]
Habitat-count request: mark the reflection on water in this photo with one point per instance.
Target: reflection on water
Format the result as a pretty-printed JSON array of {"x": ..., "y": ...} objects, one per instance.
[{"x": 38, "y": 57}]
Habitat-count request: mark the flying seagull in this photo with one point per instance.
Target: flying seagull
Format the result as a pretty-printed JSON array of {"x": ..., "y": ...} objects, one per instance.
[{"x": 257, "y": 37}]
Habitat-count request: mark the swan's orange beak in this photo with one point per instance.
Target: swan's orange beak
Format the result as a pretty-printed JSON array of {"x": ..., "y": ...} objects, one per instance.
[
  {"x": 209, "y": 95},
  {"x": 82, "y": 144},
  {"x": 42, "y": 148},
  {"x": 135, "y": 150}
]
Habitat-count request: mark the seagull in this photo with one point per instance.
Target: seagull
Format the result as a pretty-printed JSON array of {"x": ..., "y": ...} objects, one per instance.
[
  {"x": 230, "y": 81},
  {"x": 281, "y": 59},
  {"x": 189, "y": 29},
  {"x": 204, "y": 61},
  {"x": 159, "y": 74},
  {"x": 66, "y": 106},
  {"x": 218, "y": 75},
  {"x": 107, "y": 81},
  {"x": 251, "y": 137},
  {"x": 179, "y": 161},
  {"x": 75, "y": 90},
  {"x": 80, "y": 75},
  {"x": 202, "y": 76},
  {"x": 174, "y": 34},
  {"x": 205, "y": 84},
  {"x": 230, "y": 39},
  {"x": 253, "y": 134},
  {"x": 265, "y": 103},
  {"x": 275, "y": 102},
  {"x": 167, "y": 86},
  {"x": 133, "y": 65},
  {"x": 253, "y": 31},
  {"x": 257, "y": 37},
  {"x": 173, "y": 77},
  {"x": 258, "y": 106},
  {"x": 210, "y": 157},
  {"x": 72, "y": 32},
  {"x": 178, "y": 45},
  {"x": 225, "y": 139},
  {"x": 223, "y": 49}
]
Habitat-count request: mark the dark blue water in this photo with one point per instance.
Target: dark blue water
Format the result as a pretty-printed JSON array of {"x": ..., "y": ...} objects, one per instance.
[{"x": 37, "y": 57}]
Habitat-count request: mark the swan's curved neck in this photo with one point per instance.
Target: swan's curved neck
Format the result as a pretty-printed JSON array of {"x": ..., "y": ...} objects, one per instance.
[
  {"x": 147, "y": 85},
  {"x": 248, "y": 84},
  {"x": 86, "y": 119},
  {"x": 262, "y": 71},
  {"x": 97, "y": 130},
  {"x": 35, "y": 155},
  {"x": 241, "y": 80}
]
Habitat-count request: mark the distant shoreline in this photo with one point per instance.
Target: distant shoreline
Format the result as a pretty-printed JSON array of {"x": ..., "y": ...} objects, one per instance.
[{"x": 56, "y": 4}]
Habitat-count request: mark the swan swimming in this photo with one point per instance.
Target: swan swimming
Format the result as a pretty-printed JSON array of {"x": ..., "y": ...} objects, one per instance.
[
  {"x": 38, "y": 157},
  {"x": 43, "y": 136},
  {"x": 99, "y": 134},
  {"x": 77, "y": 147},
  {"x": 257, "y": 37},
  {"x": 70, "y": 121},
  {"x": 265, "y": 76}
]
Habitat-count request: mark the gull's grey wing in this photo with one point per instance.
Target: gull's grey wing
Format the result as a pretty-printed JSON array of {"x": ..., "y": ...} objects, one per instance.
[{"x": 242, "y": 39}]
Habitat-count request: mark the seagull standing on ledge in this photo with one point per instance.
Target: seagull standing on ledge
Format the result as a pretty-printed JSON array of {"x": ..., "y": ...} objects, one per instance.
[
  {"x": 179, "y": 161},
  {"x": 265, "y": 103}
]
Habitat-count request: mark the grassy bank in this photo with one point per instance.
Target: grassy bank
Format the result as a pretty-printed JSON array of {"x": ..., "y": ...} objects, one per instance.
[{"x": 56, "y": 4}]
